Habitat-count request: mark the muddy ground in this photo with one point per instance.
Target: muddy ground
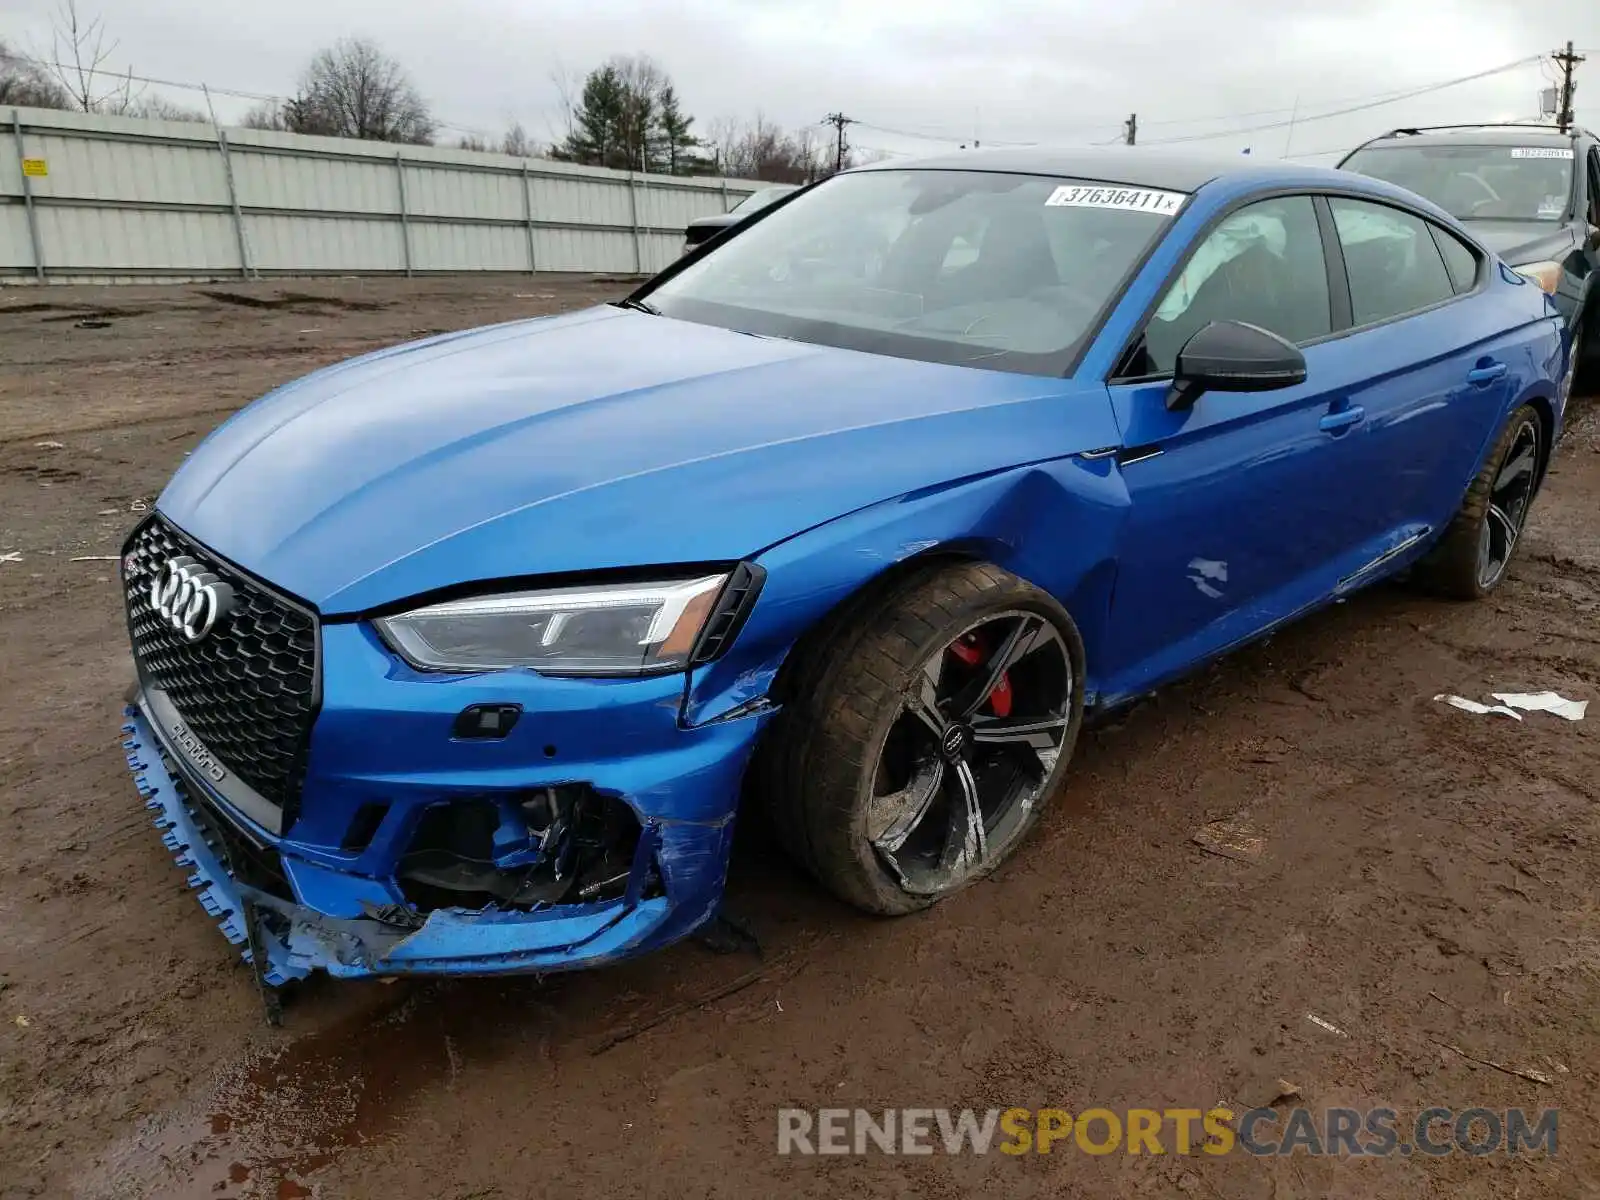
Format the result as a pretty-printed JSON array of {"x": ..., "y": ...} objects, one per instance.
[{"x": 1426, "y": 884}]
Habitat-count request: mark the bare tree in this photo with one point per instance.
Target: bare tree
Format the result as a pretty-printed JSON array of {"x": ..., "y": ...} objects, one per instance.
[
  {"x": 763, "y": 150},
  {"x": 643, "y": 81},
  {"x": 78, "y": 58},
  {"x": 266, "y": 115},
  {"x": 569, "y": 89},
  {"x": 25, "y": 83},
  {"x": 158, "y": 108},
  {"x": 518, "y": 143},
  {"x": 515, "y": 141},
  {"x": 353, "y": 89}
]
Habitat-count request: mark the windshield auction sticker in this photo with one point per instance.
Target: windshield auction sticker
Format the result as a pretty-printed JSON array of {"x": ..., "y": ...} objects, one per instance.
[
  {"x": 1541, "y": 152},
  {"x": 1163, "y": 204}
]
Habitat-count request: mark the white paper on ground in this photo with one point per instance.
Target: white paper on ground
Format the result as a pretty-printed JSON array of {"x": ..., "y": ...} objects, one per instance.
[
  {"x": 1472, "y": 706},
  {"x": 1550, "y": 702}
]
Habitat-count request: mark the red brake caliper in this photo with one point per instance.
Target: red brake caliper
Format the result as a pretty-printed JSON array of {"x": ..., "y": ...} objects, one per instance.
[{"x": 1000, "y": 697}]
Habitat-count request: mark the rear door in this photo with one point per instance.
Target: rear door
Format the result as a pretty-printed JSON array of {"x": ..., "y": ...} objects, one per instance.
[
  {"x": 1439, "y": 362},
  {"x": 1236, "y": 503}
]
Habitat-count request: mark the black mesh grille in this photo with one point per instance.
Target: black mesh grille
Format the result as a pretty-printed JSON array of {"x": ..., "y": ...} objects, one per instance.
[{"x": 248, "y": 689}]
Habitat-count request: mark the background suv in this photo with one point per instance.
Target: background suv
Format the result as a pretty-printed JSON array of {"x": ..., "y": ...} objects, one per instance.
[
  {"x": 703, "y": 229},
  {"x": 1530, "y": 193}
]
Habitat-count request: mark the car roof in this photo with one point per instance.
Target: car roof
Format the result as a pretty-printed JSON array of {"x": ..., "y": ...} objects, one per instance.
[
  {"x": 1132, "y": 166},
  {"x": 1475, "y": 135}
]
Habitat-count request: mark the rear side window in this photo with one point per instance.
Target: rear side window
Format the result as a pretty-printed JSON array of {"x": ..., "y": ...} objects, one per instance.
[
  {"x": 1460, "y": 260},
  {"x": 1393, "y": 264}
]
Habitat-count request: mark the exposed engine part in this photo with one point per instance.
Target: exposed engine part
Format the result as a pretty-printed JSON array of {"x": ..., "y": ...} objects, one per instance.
[{"x": 521, "y": 851}]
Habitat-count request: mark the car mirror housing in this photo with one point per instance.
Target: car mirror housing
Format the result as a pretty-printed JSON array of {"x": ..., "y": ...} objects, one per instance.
[{"x": 1231, "y": 356}]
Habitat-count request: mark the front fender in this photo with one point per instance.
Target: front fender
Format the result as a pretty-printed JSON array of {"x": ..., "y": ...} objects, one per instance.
[{"x": 1055, "y": 524}]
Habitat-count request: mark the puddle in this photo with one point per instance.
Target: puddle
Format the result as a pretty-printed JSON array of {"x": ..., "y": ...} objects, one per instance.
[{"x": 281, "y": 1114}]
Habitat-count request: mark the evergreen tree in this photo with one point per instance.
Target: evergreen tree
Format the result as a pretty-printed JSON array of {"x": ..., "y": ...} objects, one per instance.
[
  {"x": 628, "y": 117},
  {"x": 678, "y": 144},
  {"x": 596, "y": 137}
]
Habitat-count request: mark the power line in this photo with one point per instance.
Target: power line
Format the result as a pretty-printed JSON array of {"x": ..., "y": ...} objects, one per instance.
[
  {"x": 1297, "y": 117},
  {"x": 1355, "y": 108},
  {"x": 233, "y": 93},
  {"x": 927, "y": 137},
  {"x": 1393, "y": 94}
]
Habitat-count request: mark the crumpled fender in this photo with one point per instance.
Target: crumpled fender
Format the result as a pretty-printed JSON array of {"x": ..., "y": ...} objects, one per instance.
[{"x": 1054, "y": 523}]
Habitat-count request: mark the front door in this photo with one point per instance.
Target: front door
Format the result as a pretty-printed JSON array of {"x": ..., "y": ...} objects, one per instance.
[{"x": 1235, "y": 504}]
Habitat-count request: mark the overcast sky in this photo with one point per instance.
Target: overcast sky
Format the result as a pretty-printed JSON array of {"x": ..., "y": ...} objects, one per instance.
[{"x": 1056, "y": 71}]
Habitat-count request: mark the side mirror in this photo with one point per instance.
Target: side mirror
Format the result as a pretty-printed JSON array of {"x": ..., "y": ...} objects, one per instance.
[{"x": 1230, "y": 356}]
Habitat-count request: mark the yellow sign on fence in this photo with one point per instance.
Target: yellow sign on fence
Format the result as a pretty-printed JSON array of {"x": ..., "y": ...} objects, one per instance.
[{"x": 38, "y": 168}]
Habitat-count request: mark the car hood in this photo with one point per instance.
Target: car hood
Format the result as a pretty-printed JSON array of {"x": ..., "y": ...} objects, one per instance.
[
  {"x": 1521, "y": 242},
  {"x": 603, "y": 438}
]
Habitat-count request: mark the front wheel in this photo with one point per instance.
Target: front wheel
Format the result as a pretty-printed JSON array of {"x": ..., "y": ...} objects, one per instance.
[
  {"x": 1584, "y": 366},
  {"x": 926, "y": 745},
  {"x": 1471, "y": 558}
]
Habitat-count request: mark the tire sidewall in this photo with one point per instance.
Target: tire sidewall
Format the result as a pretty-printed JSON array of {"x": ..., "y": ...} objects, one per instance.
[
  {"x": 1521, "y": 418},
  {"x": 870, "y": 870}
]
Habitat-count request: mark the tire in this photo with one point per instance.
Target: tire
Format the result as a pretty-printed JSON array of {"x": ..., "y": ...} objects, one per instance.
[
  {"x": 1471, "y": 558},
  {"x": 867, "y": 710},
  {"x": 1585, "y": 356}
]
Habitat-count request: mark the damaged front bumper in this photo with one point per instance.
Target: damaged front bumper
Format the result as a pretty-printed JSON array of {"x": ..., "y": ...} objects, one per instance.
[{"x": 362, "y": 923}]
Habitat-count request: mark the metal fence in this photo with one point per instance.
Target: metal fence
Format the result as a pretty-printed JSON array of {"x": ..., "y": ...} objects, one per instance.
[{"x": 113, "y": 199}]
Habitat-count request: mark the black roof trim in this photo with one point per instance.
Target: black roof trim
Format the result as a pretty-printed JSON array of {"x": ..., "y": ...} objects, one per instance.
[{"x": 1488, "y": 133}]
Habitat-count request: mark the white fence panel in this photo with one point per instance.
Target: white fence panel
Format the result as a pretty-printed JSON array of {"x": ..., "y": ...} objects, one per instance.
[
  {"x": 340, "y": 245},
  {"x": 119, "y": 199}
]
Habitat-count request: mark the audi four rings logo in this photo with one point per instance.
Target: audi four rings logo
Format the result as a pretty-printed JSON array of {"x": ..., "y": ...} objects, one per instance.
[{"x": 190, "y": 597}]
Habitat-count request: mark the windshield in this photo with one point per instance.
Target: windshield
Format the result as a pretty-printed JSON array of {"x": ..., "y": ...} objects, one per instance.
[
  {"x": 759, "y": 200},
  {"x": 978, "y": 268},
  {"x": 1508, "y": 183}
]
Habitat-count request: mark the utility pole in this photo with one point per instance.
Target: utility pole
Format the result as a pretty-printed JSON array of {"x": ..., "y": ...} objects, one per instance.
[
  {"x": 838, "y": 121},
  {"x": 1130, "y": 131},
  {"x": 1567, "y": 60}
]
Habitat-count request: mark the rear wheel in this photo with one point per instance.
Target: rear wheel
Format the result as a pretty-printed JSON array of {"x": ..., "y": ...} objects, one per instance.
[
  {"x": 1471, "y": 559},
  {"x": 1585, "y": 365},
  {"x": 925, "y": 748}
]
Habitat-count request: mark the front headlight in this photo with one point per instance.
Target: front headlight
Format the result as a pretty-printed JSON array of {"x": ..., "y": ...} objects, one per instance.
[
  {"x": 609, "y": 629},
  {"x": 1547, "y": 275}
]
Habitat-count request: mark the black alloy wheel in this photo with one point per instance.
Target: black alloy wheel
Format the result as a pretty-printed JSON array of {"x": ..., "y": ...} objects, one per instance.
[
  {"x": 971, "y": 752},
  {"x": 928, "y": 725},
  {"x": 1510, "y": 497}
]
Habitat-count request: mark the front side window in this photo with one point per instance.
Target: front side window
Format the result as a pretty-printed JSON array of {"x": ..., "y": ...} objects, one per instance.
[
  {"x": 1262, "y": 265},
  {"x": 1506, "y": 183},
  {"x": 1594, "y": 185},
  {"x": 985, "y": 269},
  {"x": 1393, "y": 264}
]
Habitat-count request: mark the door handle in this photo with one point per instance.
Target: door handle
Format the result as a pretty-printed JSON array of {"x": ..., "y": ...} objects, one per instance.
[
  {"x": 1488, "y": 373},
  {"x": 1336, "y": 422}
]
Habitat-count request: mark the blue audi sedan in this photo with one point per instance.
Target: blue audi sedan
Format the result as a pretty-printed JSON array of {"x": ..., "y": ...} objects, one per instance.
[{"x": 463, "y": 656}]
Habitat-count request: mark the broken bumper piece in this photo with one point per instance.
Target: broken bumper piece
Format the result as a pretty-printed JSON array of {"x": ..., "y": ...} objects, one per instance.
[{"x": 673, "y": 885}]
